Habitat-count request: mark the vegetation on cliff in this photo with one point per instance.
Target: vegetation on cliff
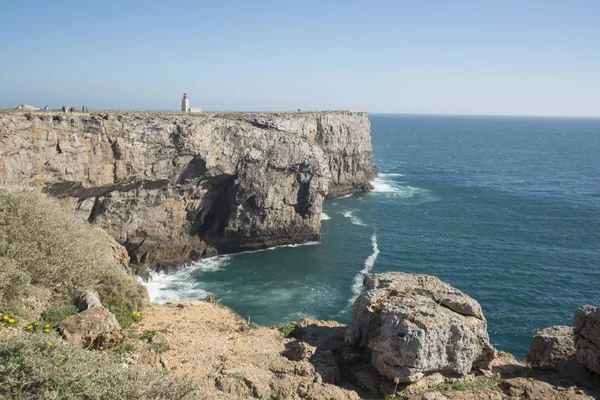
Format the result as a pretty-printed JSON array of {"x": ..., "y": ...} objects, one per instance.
[
  {"x": 48, "y": 257},
  {"x": 46, "y": 367}
]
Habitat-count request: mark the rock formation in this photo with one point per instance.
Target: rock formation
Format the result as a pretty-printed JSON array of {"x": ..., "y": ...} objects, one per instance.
[
  {"x": 93, "y": 328},
  {"x": 417, "y": 325},
  {"x": 551, "y": 347},
  {"x": 173, "y": 187},
  {"x": 587, "y": 337}
]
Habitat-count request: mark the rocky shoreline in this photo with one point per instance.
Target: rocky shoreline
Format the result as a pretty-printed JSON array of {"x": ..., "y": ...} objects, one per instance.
[
  {"x": 173, "y": 187},
  {"x": 410, "y": 337}
]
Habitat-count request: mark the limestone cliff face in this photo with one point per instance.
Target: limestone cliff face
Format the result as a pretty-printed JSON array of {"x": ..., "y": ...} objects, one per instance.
[{"x": 173, "y": 186}]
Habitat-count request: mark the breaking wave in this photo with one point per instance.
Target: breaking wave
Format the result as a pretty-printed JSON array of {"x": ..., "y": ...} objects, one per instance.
[{"x": 180, "y": 285}]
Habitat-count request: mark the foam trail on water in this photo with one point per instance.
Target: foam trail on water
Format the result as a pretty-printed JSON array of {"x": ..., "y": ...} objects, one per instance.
[
  {"x": 324, "y": 217},
  {"x": 346, "y": 196},
  {"x": 390, "y": 174},
  {"x": 313, "y": 243},
  {"x": 369, "y": 262},
  {"x": 355, "y": 220}
]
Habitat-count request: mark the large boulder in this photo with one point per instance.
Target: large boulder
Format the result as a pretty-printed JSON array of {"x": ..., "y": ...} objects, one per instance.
[
  {"x": 417, "y": 325},
  {"x": 94, "y": 328},
  {"x": 551, "y": 347},
  {"x": 586, "y": 325}
]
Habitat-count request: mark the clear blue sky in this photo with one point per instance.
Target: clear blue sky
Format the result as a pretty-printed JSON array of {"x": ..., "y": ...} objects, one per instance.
[{"x": 451, "y": 57}]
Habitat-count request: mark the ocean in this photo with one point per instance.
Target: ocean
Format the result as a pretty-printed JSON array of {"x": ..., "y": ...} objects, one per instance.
[{"x": 506, "y": 209}]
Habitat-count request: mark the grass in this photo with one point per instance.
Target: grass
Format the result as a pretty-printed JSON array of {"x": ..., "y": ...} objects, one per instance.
[
  {"x": 476, "y": 385},
  {"x": 48, "y": 256},
  {"x": 55, "y": 315},
  {"x": 46, "y": 367}
]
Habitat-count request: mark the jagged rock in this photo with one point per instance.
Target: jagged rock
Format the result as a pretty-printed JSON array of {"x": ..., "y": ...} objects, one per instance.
[
  {"x": 587, "y": 337},
  {"x": 89, "y": 299},
  {"x": 551, "y": 347},
  {"x": 416, "y": 325},
  {"x": 533, "y": 389},
  {"x": 299, "y": 351},
  {"x": 95, "y": 328},
  {"x": 176, "y": 187},
  {"x": 326, "y": 367}
]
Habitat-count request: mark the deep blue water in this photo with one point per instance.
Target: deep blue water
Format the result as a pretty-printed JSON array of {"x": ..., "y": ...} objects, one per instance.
[{"x": 507, "y": 209}]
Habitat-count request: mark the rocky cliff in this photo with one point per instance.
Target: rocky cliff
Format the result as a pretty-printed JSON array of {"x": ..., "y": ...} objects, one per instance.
[{"x": 174, "y": 186}]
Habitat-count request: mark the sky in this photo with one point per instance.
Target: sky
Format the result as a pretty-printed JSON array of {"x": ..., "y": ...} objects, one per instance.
[{"x": 431, "y": 57}]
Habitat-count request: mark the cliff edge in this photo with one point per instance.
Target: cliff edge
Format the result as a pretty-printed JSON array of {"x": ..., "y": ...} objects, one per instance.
[{"x": 174, "y": 187}]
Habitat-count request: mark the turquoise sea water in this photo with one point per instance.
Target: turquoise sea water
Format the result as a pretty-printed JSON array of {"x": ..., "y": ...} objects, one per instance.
[{"x": 506, "y": 209}]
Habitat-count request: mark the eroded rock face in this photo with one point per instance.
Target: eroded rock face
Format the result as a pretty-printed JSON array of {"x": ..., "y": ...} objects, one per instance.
[
  {"x": 175, "y": 187},
  {"x": 551, "y": 347},
  {"x": 586, "y": 325},
  {"x": 417, "y": 325}
]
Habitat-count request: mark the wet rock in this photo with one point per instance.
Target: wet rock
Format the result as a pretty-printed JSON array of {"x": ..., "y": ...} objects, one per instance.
[
  {"x": 551, "y": 347},
  {"x": 95, "y": 328},
  {"x": 417, "y": 325}
]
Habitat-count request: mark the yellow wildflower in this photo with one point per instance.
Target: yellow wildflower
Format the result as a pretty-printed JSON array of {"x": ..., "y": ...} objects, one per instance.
[
  {"x": 29, "y": 327},
  {"x": 47, "y": 326},
  {"x": 6, "y": 318},
  {"x": 36, "y": 323},
  {"x": 11, "y": 321},
  {"x": 49, "y": 344},
  {"x": 47, "y": 330}
]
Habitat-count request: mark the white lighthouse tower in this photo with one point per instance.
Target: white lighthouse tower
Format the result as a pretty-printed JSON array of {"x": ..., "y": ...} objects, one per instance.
[{"x": 185, "y": 103}]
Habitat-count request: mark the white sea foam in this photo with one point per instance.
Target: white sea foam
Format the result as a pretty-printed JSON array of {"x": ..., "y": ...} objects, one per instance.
[
  {"x": 180, "y": 285},
  {"x": 390, "y": 175},
  {"x": 324, "y": 217},
  {"x": 392, "y": 188},
  {"x": 346, "y": 196},
  {"x": 355, "y": 220},
  {"x": 313, "y": 243},
  {"x": 369, "y": 263}
]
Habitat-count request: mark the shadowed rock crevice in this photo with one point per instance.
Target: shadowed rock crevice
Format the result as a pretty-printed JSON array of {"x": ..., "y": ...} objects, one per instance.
[{"x": 210, "y": 220}]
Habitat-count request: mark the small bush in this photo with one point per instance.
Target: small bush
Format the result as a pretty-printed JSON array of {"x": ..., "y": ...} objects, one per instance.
[
  {"x": 55, "y": 315},
  {"x": 159, "y": 348},
  {"x": 44, "y": 246},
  {"x": 40, "y": 366},
  {"x": 290, "y": 329}
]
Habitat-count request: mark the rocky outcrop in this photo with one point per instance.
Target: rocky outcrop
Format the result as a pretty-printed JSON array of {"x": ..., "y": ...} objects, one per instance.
[
  {"x": 587, "y": 337},
  {"x": 551, "y": 347},
  {"x": 417, "y": 325},
  {"x": 233, "y": 359},
  {"x": 94, "y": 328},
  {"x": 175, "y": 187}
]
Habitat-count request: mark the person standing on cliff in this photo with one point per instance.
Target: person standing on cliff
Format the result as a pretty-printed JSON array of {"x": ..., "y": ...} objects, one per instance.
[{"x": 64, "y": 109}]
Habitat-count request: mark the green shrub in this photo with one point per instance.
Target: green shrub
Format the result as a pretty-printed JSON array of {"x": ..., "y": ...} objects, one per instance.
[
  {"x": 122, "y": 308},
  {"x": 40, "y": 366},
  {"x": 55, "y": 315},
  {"x": 290, "y": 329},
  {"x": 43, "y": 245}
]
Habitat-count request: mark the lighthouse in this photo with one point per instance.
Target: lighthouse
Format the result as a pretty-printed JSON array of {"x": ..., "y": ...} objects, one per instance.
[{"x": 185, "y": 103}]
